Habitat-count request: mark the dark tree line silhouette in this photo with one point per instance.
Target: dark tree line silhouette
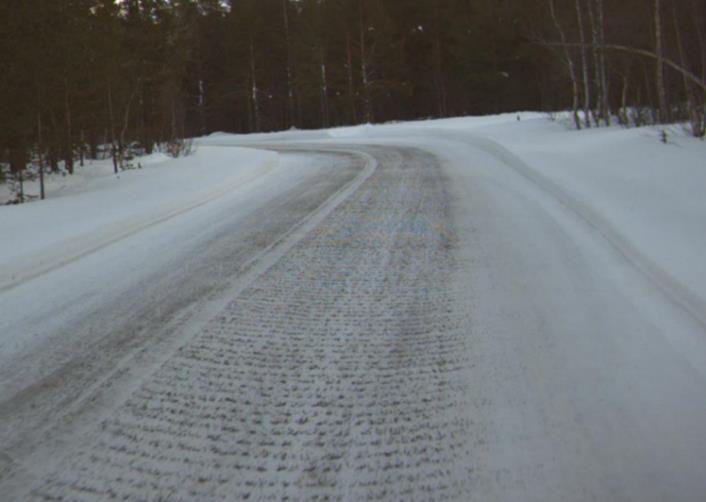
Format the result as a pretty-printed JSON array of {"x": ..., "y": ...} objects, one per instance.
[{"x": 84, "y": 78}]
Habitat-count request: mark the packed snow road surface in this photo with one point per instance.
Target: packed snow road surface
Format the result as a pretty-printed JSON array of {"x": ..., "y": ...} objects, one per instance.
[
  {"x": 340, "y": 371},
  {"x": 418, "y": 321}
]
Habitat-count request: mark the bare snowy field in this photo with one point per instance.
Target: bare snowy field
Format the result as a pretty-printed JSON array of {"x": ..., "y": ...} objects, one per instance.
[{"x": 466, "y": 309}]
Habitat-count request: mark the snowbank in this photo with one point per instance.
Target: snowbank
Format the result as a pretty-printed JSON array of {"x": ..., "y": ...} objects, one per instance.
[
  {"x": 644, "y": 196},
  {"x": 97, "y": 207}
]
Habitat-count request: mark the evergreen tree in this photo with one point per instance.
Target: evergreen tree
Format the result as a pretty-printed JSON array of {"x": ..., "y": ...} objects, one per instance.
[{"x": 85, "y": 77}]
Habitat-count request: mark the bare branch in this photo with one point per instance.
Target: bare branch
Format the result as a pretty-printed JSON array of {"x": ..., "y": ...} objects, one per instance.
[{"x": 641, "y": 52}]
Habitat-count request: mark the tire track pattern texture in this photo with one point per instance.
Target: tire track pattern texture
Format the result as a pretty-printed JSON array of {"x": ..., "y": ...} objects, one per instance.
[{"x": 338, "y": 374}]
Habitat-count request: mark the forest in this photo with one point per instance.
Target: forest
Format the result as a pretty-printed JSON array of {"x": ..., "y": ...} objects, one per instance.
[{"x": 89, "y": 78}]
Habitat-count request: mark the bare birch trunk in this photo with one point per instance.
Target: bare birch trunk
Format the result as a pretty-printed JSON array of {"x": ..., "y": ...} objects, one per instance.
[
  {"x": 584, "y": 64},
  {"x": 661, "y": 92},
  {"x": 597, "y": 21},
  {"x": 570, "y": 64},
  {"x": 596, "y": 62},
  {"x": 695, "y": 115},
  {"x": 111, "y": 116}
]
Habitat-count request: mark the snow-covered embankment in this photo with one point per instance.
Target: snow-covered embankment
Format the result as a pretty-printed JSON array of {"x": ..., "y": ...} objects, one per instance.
[{"x": 102, "y": 208}]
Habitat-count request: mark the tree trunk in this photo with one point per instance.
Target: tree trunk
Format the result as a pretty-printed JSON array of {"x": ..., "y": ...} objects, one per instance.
[
  {"x": 53, "y": 158},
  {"x": 201, "y": 101},
  {"x": 92, "y": 144},
  {"x": 68, "y": 146},
  {"x": 663, "y": 115},
  {"x": 595, "y": 40},
  {"x": 18, "y": 162},
  {"x": 324, "y": 88},
  {"x": 349, "y": 75},
  {"x": 439, "y": 83},
  {"x": 111, "y": 117},
  {"x": 605, "y": 91},
  {"x": 82, "y": 148},
  {"x": 290, "y": 120},
  {"x": 570, "y": 64},
  {"x": 584, "y": 64},
  {"x": 20, "y": 179},
  {"x": 700, "y": 37},
  {"x": 40, "y": 144},
  {"x": 702, "y": 63},
  {"x": 126, "y": 123},
  {"x": 253, "y": 88},
  {"x": 647, "y": 78},
  {"x": 40, "y": 154},
  {"x": 623, "y": 101},
  {"x": 695, "y": 115},
  {"x": 367, "y": 98},
  {"x": 173, "y": 135}
]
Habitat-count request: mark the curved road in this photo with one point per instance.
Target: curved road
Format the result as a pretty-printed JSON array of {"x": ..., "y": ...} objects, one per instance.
[{"x": 396, "y": 325}]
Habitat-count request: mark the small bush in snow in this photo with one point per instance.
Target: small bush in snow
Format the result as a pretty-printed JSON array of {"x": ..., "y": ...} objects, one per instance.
[{"x": 179, "y": 148}]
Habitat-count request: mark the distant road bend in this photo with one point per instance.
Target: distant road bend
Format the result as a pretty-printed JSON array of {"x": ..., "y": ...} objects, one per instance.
[{"x": 396, "y": 324}]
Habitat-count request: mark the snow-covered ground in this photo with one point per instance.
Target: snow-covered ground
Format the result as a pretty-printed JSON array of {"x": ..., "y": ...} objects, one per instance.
[
  {"x": 494, "y": 308},
  {"x": 644, "y": 196},
  {"x": 95, "y": 207}
]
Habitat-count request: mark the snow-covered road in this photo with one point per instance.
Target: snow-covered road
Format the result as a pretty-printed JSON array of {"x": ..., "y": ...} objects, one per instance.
[
  {"x": 107, "y": 319},
  {"x": 419, "y": 321}
]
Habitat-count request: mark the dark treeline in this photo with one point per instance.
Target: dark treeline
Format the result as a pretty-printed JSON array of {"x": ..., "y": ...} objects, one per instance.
[
  {"x": 637, "y": 61},
  {"x": 79, "y": 78}
]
